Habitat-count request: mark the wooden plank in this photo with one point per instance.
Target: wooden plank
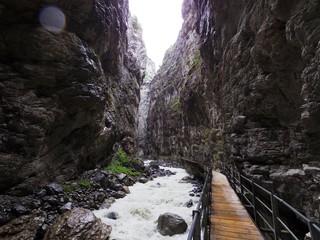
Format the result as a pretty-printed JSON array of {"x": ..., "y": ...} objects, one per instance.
[
  {"x": 240, "y": 229},
  {"x": 229, "y": 219},
  {"x": 236, "y": 235}
]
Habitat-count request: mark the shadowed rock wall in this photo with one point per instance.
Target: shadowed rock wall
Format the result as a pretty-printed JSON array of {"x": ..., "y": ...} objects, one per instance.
[
  {"x": 260, "y": 100},
  {"x": 66, "y": 97}
]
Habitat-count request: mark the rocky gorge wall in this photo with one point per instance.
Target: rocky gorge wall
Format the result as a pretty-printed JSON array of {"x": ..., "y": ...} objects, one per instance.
[
  {"x": 69, "y": 96},
  {"x": 178, "y": 119},
  {"x": 253, "y": 101}
]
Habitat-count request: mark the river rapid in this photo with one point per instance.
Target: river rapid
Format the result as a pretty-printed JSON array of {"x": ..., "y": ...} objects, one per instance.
[{"x": 139, "y": 210}]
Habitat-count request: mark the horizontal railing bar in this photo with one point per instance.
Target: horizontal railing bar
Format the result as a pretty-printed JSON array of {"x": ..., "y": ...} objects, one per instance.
[
  {"x": 251, "y": 204},
  {"x": 263, "y": 189},
  {"x": 245, "y": 178},
  {"x": 298, "y": 214},
  {"x": 265, "y": 220},
  {"x": 248, "y": 190},
  {"x": 263, "y": 204},
  {"x": 287, "y": 228},
  {"x": 317, "y": 227}
]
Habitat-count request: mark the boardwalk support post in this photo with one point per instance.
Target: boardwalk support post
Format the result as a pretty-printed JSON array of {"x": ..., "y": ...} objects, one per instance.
[{"x": 275, "y": 215}]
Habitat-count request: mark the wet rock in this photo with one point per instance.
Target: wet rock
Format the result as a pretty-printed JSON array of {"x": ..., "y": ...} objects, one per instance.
[
  {"x": 186, "y": 179},
  {"x": 126, "y": 189},
  {"x": 41, "y": 192},
  {"x": 78, "y": 223},
  {"x": 20, "y": 209},
  {"x": 66, "y": 207},
  {"x": 143, "y": 180},
  {"x": 120, "y": 194},
  {"x": 101, "y": 179},
  {"x": 121, "y": 176},
  {"x": 311, "y": 170},
  {"x": 107, "y": 203},
  {"x": 128, "y": 181},
  {"x": 170, "y": 224},
  {"x": 54, "y": 188},
  {"x": 25, "y": 227},
  {"x": 113, "y": 215},
  {"x": 189, "y": 204}
]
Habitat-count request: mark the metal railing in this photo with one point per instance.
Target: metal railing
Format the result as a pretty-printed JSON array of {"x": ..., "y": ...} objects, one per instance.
[
  {"x": 274, "y": 217},
  {"x": 200, "y": 227}
]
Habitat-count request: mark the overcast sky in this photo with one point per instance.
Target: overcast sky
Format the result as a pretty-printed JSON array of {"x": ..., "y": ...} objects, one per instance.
[{"x": 161, "y": 22}]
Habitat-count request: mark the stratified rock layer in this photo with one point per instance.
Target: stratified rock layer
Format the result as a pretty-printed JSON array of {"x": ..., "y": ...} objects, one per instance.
[
  {"x": 259, "y": 106},
  {"x": 67, "y": 96}
]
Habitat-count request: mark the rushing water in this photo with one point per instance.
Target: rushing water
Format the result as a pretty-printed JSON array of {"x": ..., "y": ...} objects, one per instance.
[{"x": 138, "y": 211}]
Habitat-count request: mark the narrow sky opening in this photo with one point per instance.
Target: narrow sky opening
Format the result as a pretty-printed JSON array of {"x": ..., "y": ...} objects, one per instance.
[{"x": 161, "y": 21}]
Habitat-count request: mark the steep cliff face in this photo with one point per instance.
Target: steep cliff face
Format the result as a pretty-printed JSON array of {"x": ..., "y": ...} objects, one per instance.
[
  {"x": 265, "y": 62},
  {"x": 144, "y": 105},
  {"x": 178, "y": 119},
  {"x": 259, "y": 84},
  {"x": 69, "y": 87}
]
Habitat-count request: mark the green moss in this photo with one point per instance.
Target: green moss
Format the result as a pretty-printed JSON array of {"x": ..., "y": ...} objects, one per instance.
[
  {"x": 69, "y": 188},
  {"x": 175, "y": 104},
  {"x": 121, "y": 163},
  {"x": 116, "y": 168},
  {"x": 84, "y": 183}
]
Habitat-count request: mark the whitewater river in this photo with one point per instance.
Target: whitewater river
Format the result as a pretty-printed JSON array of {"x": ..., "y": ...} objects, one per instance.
[{"x": 138, "y": 211}]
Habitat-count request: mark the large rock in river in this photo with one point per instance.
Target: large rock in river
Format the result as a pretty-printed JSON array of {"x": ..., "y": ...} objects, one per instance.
[
  {"x": 78, "y": 224},
  {"x": 171, "y": 224}
]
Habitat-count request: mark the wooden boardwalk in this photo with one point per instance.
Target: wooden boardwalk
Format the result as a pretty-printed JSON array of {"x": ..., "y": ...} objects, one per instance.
[{"x": 229, "y": 219}]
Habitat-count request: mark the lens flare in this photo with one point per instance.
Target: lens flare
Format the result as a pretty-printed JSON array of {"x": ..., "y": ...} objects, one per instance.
[{"x": 52, "y": 18}]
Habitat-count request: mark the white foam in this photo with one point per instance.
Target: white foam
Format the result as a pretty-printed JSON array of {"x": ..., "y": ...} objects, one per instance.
[{"x": 138, "y": 211}]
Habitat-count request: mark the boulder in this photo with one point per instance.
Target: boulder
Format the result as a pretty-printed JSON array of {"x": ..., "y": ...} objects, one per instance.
[
  {"x": 23, "y": 228},
  {"x": 170, "y": 224},
  {"x": 79, "y": 223}
]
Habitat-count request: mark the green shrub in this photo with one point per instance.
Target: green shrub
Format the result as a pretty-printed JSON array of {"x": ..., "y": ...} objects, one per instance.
[
  {"x": 84, "y": 183},
  {"x": 69, "y": 188},
  {"x": 121, "y": 164}
]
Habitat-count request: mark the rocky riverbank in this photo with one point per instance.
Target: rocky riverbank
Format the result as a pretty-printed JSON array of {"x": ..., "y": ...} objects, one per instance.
[{"x": 94, "y": 189}]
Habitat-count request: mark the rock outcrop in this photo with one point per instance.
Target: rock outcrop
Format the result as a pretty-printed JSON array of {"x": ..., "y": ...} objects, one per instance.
[
  {"x": 25, "y": 227},
  {"x": 255, "y": 99},
  {"x": 78, "y": 223},
  {"x": 70, "y": 74}
]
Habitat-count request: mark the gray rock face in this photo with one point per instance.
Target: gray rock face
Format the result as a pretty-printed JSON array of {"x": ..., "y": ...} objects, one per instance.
[
  {"x": 178, "y": 118},
  {"x": 170, "y": 224},
  {"x": 144, "y": 105},
  {"x": 79, "y": 223},
  {"x": 67, "y": 97},
  {"x": 254, "y": 100}
]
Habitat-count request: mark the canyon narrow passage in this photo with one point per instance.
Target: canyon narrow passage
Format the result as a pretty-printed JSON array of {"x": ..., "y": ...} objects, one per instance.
[{"x": 138, "y": 212}]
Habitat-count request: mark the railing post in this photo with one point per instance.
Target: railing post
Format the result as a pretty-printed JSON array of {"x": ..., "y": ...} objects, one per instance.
[
  {"x": 253, "y": 187},
  {"x": 197, "y": 231},
  {"x": 275, "y": 215},
  {"x": 312, "y": 228},
  {"x": 233, "y": 179},
  {"x": 241, "y": 189}
]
